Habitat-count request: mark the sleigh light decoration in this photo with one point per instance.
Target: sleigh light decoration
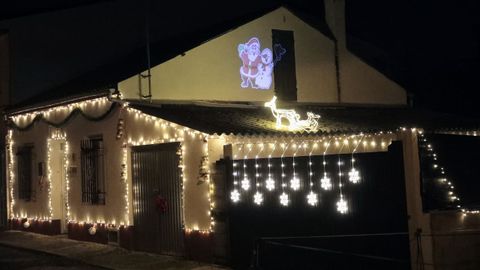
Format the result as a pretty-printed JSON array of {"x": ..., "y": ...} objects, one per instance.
[{"x": 294, "y": 122}]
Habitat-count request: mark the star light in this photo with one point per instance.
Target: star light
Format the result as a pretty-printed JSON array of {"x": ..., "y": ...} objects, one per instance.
[
  {"x": 270, "y": 184},
  {"x": 284, "y": 200},
  {"x": 312, "y": 198},
  {"x": 354, "y": 176},
  {"x": 326, "y": 182},
  {"x": 258, "y": 198},
  {"x": 342, "y": 206},
  {"x": 295, "y": 183},
  {"x": 235, "y": 196},
  {"x": 245, "y": 184}
]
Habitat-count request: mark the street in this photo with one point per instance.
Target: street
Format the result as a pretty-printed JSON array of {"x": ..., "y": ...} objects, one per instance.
[{"x": 12, "y": 258}]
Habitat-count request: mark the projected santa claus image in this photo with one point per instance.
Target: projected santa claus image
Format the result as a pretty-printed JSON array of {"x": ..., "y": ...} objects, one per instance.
[{"x": 257, "y": 64}]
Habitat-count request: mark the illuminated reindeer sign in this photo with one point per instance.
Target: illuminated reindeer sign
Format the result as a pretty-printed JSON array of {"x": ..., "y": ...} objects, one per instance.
[{"x": 294, "y": 123}]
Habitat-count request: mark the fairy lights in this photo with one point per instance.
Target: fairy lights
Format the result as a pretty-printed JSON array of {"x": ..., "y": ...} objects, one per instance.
[
  {"x": 325, "y": 181},
  {"x": 451, "y": 197},
  {"x": 342, "y": 203},
  {"x": 124, "y": 177},
  {"x": 245, "y": 184},
  {"x": 11, "y": 174},
  {"x": 312, "y": 197},
  {"x": 25, "y": 119},
  {"x": 235, "y": 195},
  {"x": 258, "y": 197},
  {"x": 354, "y": 174},
  {"x": 270, "y": 183},
  {"x": 284, "y": 200},
  {"x": 291, "y": 148}
]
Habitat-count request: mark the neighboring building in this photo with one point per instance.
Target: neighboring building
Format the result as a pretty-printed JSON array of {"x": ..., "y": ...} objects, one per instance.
[{"x": 186, "y": 159}]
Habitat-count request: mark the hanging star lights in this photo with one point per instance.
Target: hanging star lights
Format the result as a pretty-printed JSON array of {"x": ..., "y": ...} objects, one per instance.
[
  {"x": 235, "y": 196},
  {"x": 342, "y": 206},
  {"x": 284, "y": 200},
  {"x": 258, "y": 198},
  {"x": 303, "y": 171},
  {"x": 325, "y": 181},
  {"x": 354, "y": 176},
  {"x": 312, "y": 198}
]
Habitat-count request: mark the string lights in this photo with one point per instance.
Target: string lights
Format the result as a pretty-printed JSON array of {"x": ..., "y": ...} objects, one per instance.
[
  {"x": 258, "y": 197},
  {"x": 342, "y": 206},
  {"x": 312, "y": 197},
  {"x": 294, "y": 182},
  {"x": 11, "y": 174},
  {"x": 270, "y": 183},
  {"x": 325, "y": 181},
  {"x": 25, "y": 120},
  {"x": 309, "y": 147},
  {"x": 354, "y": 174},
  {"x": 245, "y": 184},
  {"x": 284, "y": 199}
]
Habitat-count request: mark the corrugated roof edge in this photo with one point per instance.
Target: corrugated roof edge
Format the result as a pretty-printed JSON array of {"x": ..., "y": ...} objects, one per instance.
[{"x": 16, "y": 109}]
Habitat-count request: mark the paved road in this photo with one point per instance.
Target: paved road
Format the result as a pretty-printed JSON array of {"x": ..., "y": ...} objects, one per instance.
[{"x": 12, "y": 259}]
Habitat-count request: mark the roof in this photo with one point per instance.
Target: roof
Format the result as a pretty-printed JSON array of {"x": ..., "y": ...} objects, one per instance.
[
  {"x": 107, "y": 76},
  {"x": 252, "y": 120}
]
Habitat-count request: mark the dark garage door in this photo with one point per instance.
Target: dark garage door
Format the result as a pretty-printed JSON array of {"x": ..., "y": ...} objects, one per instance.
[{"x": 373, "y": 235}]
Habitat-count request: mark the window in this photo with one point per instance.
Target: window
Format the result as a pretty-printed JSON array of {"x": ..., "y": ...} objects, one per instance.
[
  {"x": 24, "y": 172},
  {"x": 93, "y": 175},
  {"x": 284, "y": 69}
]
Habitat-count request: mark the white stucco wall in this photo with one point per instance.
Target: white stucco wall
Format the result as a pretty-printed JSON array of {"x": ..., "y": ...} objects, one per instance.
[{"x": 211, "y": 70}]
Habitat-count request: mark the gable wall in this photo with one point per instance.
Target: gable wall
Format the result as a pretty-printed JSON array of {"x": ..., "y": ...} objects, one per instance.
[{"x": 211, "y": 71}]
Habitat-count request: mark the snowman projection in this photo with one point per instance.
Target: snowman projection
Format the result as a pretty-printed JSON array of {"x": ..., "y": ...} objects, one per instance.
[{"x": 257, "y": 66}]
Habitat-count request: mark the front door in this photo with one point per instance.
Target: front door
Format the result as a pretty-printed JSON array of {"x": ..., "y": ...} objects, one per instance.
[{"x": 157, "y": 198}]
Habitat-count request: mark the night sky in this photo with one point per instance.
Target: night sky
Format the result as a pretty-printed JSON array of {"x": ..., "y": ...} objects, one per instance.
[{"x": 431, "y": 48}]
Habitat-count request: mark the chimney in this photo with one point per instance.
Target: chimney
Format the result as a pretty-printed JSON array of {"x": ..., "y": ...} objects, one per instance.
[{"x": 335, "y": 17}]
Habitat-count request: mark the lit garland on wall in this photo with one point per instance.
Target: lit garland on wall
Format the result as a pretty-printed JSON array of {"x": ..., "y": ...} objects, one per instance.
[
  {"x": 270, "y": 183},
  {"x": 29, "y": 118},
  {"x": 124, "y": 177},
  {"x": 56, "y": 135},
  {"x": 66, "y": 164},
  {"x": 11, "y": 173},
  {"x": 325, "y": 181},
  {"x": 211, "y": 187}
]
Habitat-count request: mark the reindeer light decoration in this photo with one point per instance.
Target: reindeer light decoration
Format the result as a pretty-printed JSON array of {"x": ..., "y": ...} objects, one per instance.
[{"x": 294, "y": 123}]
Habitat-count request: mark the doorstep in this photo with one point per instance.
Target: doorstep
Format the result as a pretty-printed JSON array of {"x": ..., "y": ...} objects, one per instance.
[{"x": 107, "y": 256}]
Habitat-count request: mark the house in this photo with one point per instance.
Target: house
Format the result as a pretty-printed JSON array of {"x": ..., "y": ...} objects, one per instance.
[{"x": 252, "y": 140}]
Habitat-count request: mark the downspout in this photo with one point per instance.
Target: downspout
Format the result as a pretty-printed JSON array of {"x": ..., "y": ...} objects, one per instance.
[
  {"x": 147, "y": 41},
  {"x": 337, "y": 72}
]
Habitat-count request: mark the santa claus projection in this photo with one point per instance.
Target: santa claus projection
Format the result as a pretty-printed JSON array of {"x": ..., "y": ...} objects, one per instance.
[{"x": 257, "y": 66}]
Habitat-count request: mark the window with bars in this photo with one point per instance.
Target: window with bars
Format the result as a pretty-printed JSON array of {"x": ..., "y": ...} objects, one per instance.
[
  {"x": 93, "y": 170},
  {"x": 24, "y": 172}
]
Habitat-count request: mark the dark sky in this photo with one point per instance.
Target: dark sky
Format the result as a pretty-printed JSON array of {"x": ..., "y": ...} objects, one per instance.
[{"x": 432, "y": 48}]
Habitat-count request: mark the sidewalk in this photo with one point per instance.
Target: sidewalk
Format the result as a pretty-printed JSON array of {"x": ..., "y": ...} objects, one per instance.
[{"x": 110, "y": 257}]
